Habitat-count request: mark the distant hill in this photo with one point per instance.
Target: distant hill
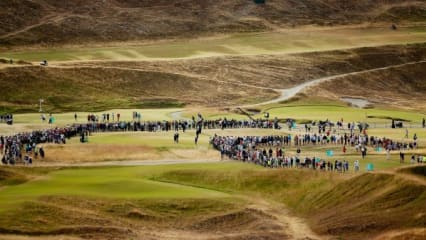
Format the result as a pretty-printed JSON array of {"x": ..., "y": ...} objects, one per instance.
[{"x": 26, "y": 22}]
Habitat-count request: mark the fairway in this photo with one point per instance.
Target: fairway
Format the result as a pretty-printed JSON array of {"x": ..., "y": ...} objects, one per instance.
[
  {"x": 301, "y": 111},
  {"x": 348, "y": 114},
  {"x": 125, "y": 115},
  {"x": 114, "y": 182},
  {"x": 279, "y": 42}
]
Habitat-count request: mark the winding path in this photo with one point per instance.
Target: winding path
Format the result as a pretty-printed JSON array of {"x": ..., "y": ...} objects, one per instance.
[{"x": 289, "y": 93}]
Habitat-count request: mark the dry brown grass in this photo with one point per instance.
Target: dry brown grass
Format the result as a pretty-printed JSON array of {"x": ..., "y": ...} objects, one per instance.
[
  {"x": 369, "y": 205},
  {"x": 91, "y": 88},
  {"x": 74, "y": 217},
  {"x": 276, "y": 71},
  {"x": 52, "y": 22},
  {"x": 402, "y": 87},
  {"x": 97, "y": 152},
  {"x": 216, "y": 81},
  {"x": 77, "y": 153}
]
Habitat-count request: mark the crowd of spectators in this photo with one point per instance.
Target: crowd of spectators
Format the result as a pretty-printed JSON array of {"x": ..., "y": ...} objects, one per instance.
[{"x": 23, "y": 147}]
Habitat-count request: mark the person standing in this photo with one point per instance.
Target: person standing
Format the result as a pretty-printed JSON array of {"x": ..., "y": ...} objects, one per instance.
[
  {"x": 424, "y": 123},
  {"x": 356, "y": 165},
  {"x": 406, "y": 132},
  {"x": 401, "y": 157},
  {"x": 41, "y": 151},
  {"x": 75, "y": 117},
  {"x": 363, "y": 151},
  {"x": 387, "y": 154}
]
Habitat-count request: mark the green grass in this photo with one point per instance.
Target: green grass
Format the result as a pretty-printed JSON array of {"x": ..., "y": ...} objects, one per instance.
[
  {"x": 111, "y": 182},
  {"x": 178, "y": 196},
  {"x": 125, "y": 115},
  {"x": 299, "y": 111},
  {"x": 283, "y": 185},
  {"x": 151, "y": 182},
  {"x": 290, "y": 41},
  {"x": 336, "y": 112}
]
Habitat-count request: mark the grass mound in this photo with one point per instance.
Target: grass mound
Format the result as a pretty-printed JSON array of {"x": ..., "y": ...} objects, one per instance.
[
  {"x": 10, "y": 177},
  {"x": 369, "y": 204},
  {"x": 113, "y": 218},
  {"x": 417, "y": 170},
  {"x": 353, "y": 208}
]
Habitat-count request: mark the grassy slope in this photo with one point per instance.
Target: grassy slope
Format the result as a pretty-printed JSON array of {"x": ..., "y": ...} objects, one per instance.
[
  {"x": 296, "y": 41},
  {"x": 334, "y": 204},
  {"x": 384, "y": 86},
  {"x": 106, "y": 202},
  {"x": 91, "y": 89},
  {"x": 126, "y": 183},
  {"x": 226, "y": 80},
  {"x": 52, "y": 22},
  {"x": 351, "y": 209}
]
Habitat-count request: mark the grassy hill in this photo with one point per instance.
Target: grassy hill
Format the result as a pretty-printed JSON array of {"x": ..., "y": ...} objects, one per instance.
[
  {"x": 361, "y": 207},
  {"x": 58, "y": 22},
  {"x": 225, "y": 200},
  {"x": 99, "y": 85}
]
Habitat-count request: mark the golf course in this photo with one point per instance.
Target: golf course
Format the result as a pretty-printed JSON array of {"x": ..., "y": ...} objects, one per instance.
[{"x": 224, "y": 120}]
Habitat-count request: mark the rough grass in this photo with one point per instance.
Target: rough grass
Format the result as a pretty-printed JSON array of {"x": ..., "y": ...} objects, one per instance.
[
  {"x": 10, "y": 177},
  {"x": 149, "y": 114},
  {"x": 357, "y": 206},
  {"x": 238, "y": 44},
  {"x": 383, "y": 87},
  {"x": 130, "y": 146},
  {"x": 419, "y": 171},
  {"x": 192, "y": 198},
  {"x": 349, "y": 208},
  {"x": 216, "y": 82},
  {"x": 50, "y": 22},
  {"x": 92, "y": 89},
  {"x": 109, "y": 218},
  {"x": 282, "y": 185}
]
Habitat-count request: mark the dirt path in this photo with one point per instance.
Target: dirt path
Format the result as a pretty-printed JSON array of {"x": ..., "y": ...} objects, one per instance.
[
  {"x": 296, "y": 227},
  {"x": 289, "y": 93},
  {"x": 51, "y": 18}
]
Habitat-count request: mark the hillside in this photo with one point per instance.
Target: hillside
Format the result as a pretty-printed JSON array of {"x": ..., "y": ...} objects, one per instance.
[
  {"x": 46, "y": 22},
  {"x": 227, "y": 81},
  {"x": 210, "y": 201},
  {"x": 378, "y": 205}
]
